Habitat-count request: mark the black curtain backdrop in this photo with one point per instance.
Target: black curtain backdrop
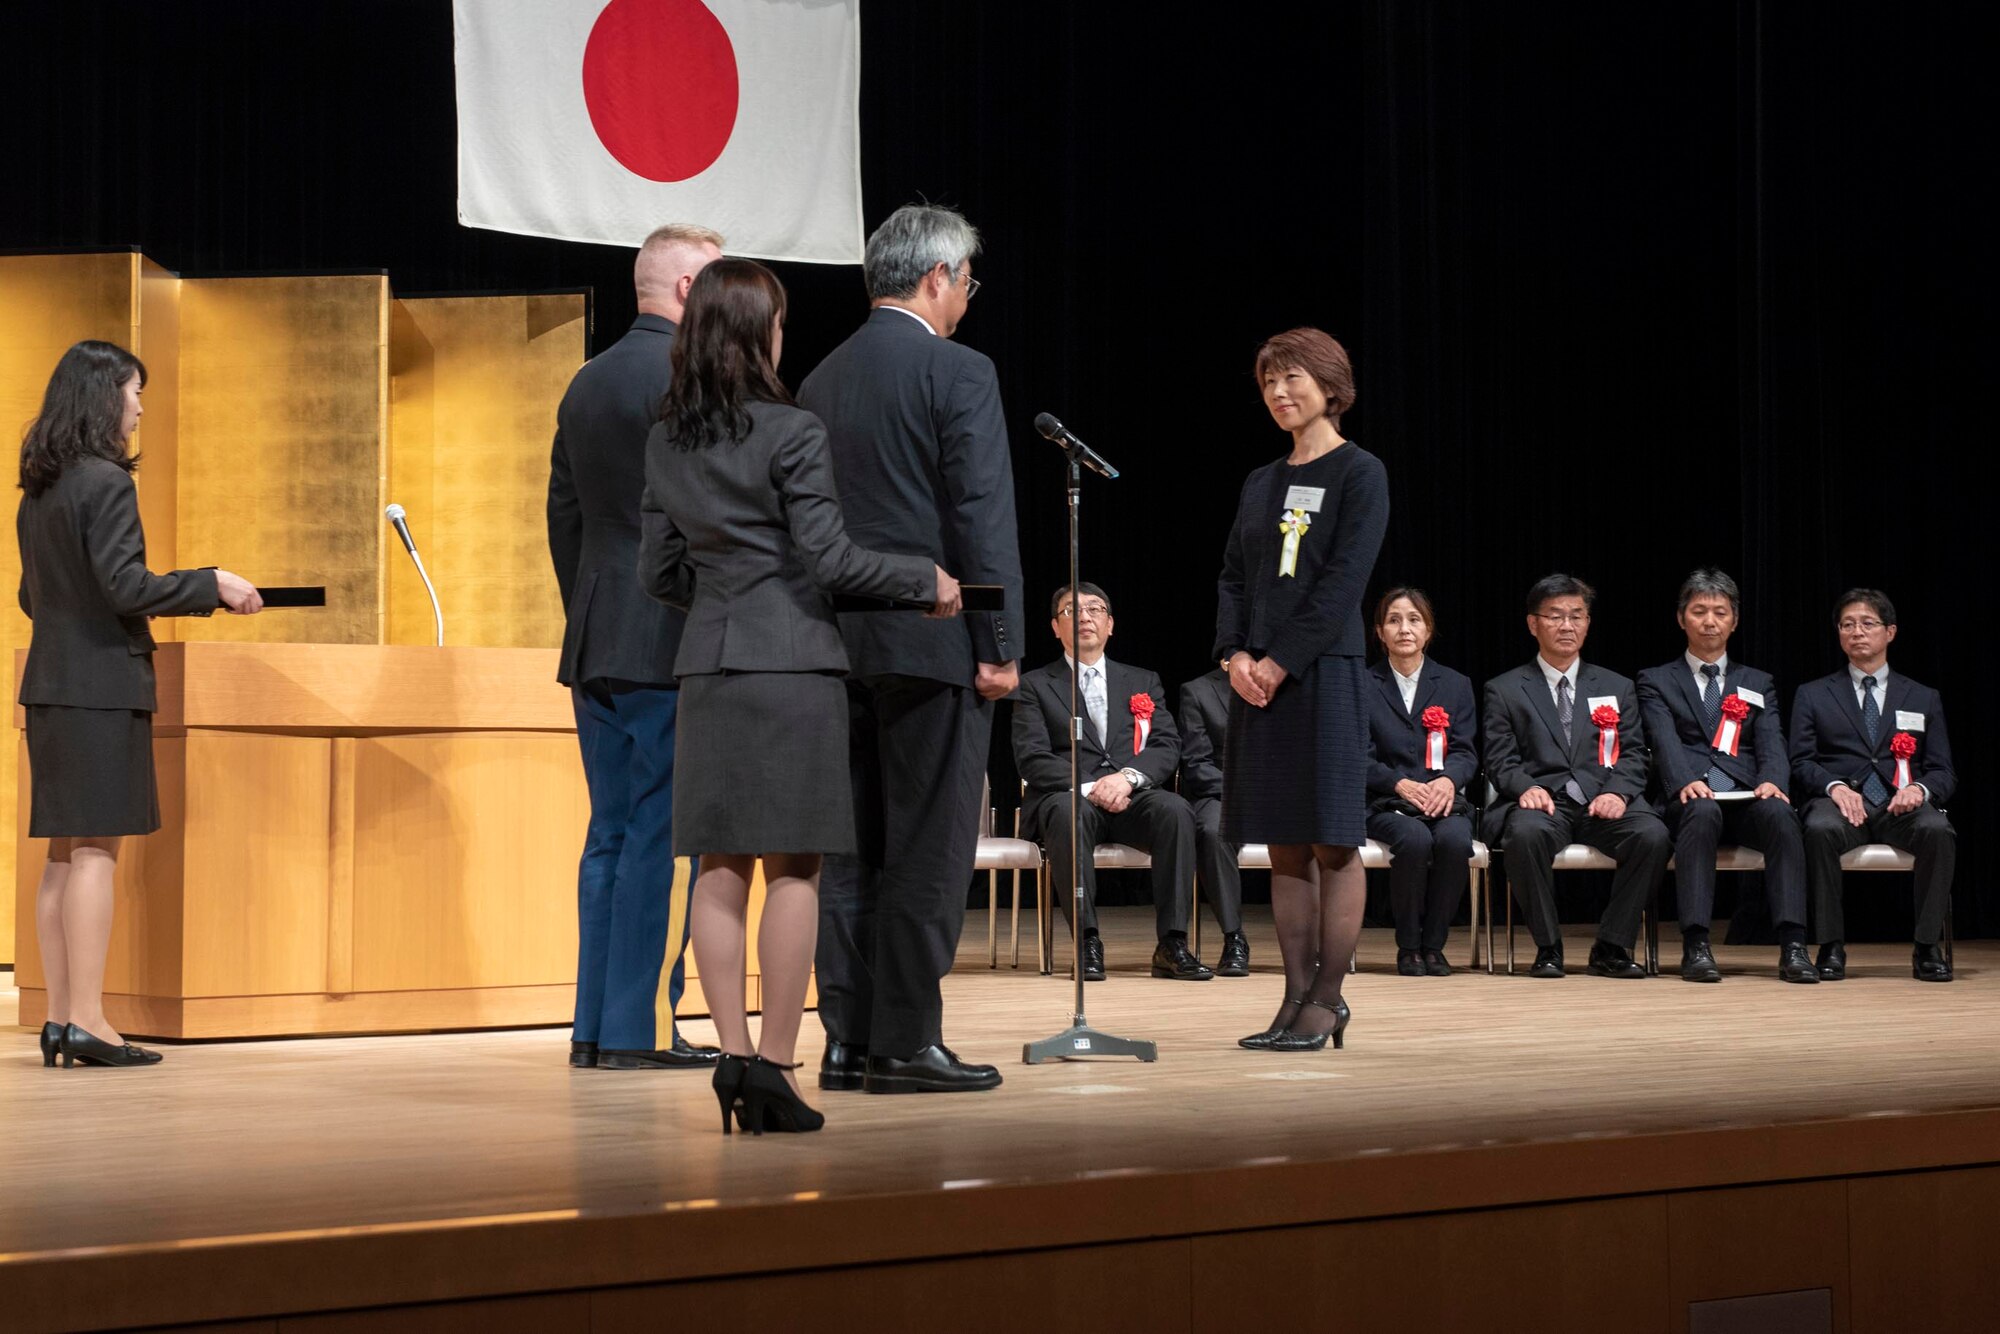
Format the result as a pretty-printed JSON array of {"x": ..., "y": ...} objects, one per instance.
[{"x": 1628, "y": 288}]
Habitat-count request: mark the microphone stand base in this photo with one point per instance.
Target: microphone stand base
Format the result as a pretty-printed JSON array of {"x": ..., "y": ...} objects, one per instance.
[{"x": 1080, "y": 1042}]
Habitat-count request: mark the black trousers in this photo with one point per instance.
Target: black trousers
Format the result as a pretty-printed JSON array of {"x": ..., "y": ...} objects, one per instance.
[
  {"x": 1637, "y": 842},
  {"x": 890, "y": 917},
  {"x": 1215, "y": 869},
  {"x": 1429, "y": 863},
  {"x": 1924, "y": 832},
  {"x": 1768, "y": 825},
  {"x": 1158, "y": 822}
]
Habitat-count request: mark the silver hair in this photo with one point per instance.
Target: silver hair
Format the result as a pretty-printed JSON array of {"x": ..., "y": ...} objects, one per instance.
[
  {"x": 912, "y": 241},
  {"x": 1712, "y": 583}
]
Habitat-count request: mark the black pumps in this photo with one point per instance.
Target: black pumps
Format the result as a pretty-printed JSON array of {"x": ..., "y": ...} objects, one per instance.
[
  {"x": 79, "y": 1047},
  {"x": 755, "y": 1090}
]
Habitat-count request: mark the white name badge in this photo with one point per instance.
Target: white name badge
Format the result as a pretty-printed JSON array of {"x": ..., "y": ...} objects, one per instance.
[
  {"x": 1750, "y": 697},
  {"x": 1305, "y": 498},
  {"x": 1909, "y": 722},
  {"x": 1599, "y": 701}
]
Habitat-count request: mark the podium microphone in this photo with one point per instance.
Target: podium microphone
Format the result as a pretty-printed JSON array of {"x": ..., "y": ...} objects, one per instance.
[
  {"x": 1078, "y": 451},
  {"x": 396, "y": 516}
]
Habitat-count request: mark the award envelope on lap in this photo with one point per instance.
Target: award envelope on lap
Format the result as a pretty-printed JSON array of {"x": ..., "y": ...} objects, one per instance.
[{"x": 972, "y": 597}]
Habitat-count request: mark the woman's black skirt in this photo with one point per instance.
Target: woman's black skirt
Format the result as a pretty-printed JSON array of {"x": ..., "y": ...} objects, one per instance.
[
  {"x": 760, "y": 764},
  {"x": 90, "y": 773},
  {"x": 1296, "y": 771}
]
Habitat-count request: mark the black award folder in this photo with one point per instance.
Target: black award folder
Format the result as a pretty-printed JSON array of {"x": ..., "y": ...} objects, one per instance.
[
  {"x": 973, "y": 597},
  {"x": 302, "y": 595}
]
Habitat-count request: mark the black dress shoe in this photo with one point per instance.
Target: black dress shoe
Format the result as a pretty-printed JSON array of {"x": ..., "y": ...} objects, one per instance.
[
  {"x": 51, "y": 1043},
  {"x": 1173, "y": 959},
  {"x": 1093, "y": 958},
  {"x": 680, "y": 1056},
  {"x": 1927, "y": 964},
  {"x": 1235, "y": 960},
  {"x": 1409, "y": 963},
  {"x": 1435, "y": 965},
  {"x": 1548, "y": 962},
  {"x": 1795, "y": 965},
  {"x": 842, "y": 1066},
  {"x": 1698, "y": 963},
  {"x": 1832, "y": 962},
  {"x": 1608, "y": 960},
  {"x": 583, "y": 1055},
  {"x": 79, "y": 1046},
  {"x": 935, "y": 1069},
  {"x": 1290, "y": 1041}
]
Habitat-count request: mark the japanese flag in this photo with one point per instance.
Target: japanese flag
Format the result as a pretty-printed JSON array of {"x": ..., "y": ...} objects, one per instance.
[{"x": 595, "y": 121}]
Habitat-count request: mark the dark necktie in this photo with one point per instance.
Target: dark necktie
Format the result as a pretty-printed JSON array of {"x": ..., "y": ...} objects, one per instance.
[
  {"x": 1873, "y": 789},
  {"x": 1711, "y": 714},
  {"x": 1565, "y": 714}
]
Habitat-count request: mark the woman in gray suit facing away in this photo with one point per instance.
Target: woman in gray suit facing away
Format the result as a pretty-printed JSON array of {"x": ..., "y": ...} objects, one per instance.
[
  {"x": 741, "y": 526},
  {"x": 88, "y": 688}
]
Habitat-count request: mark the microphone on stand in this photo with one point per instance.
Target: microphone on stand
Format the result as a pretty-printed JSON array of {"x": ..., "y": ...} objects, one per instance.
[
  {"x": 398, "y": 520},
  {"x": 1075, "y": 448}
]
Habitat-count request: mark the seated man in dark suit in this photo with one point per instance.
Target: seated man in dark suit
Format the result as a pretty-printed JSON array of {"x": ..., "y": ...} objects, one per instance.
[
  {"x": 1566, "y": 751},
  {"x": 1126, "y": 764},
  {"x": 1871, "y": 751},
  {"x": 1714, "y": 730},
  {"x": 1204, "y": 733}
]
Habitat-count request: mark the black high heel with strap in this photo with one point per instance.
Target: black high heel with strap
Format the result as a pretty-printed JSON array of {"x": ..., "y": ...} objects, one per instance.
[
  {"x": 78, "y": 1045},
  {"x": 51, "y": 1043},
  {"x": 1290, "y": 1041},
  {"x": 1262, "y": 1041},
  {"x": 728, "y": 1084},
  {"x": 770, "y": 1104}
]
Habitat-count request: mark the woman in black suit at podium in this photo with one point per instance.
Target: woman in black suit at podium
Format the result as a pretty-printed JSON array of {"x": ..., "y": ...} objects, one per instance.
[
  {"x": 741, "y": 526},
  {"x": 1290, "y": 628},
  {"x": 1421, "y": 760},
  {"x": 88, "y": 687}
]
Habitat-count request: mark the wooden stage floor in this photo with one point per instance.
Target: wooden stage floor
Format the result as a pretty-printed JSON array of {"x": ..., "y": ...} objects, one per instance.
[{"x": 252, "y": 1179}]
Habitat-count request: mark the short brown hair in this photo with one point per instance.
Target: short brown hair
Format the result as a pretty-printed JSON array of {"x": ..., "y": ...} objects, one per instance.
[
  {"x": 1420, "y": 599},
  {"x": 1317, "y": 355}
]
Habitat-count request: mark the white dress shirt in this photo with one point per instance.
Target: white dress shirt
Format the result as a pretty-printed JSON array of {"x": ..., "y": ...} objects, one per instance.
[
  {"x": 1408, "y": 685},
  {"x": 1551, "y": 675},
  {"x": 913, "y": 315},
  {"x": 1856, "y": 676},
  {"x": 1696, "y": 664}
]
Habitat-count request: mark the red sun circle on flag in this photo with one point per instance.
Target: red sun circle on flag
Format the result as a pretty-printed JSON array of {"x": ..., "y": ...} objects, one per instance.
[{"x": 659, "y": 81}]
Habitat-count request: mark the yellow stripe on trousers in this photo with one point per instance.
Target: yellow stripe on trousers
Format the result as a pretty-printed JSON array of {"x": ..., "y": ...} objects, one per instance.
[{"x": 677, "y": 925}]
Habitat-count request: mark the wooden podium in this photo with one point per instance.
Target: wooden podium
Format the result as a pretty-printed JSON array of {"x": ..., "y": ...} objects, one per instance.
[{"x": 356, "y": 839}]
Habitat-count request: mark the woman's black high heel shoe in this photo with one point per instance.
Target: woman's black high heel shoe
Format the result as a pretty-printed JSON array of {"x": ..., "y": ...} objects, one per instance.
[
  {"x": 78, "y": 1045},
  {"x": 728, "y": 1084},
  {"x": 770, "y": 1104},
  {"x": 1262, "y": 1041},
  {"x": 1290, "y": 1041},
  {"x": 51, "y": 1043}
]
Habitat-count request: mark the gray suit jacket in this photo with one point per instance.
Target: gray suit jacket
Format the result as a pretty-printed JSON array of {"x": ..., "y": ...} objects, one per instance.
[
  {"x": 85, "y": 584},
  {"x": 748, "y": 537}
]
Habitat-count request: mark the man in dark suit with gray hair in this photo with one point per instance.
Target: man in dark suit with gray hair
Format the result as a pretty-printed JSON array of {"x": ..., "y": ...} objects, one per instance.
[{"x": 921, "y": 456}]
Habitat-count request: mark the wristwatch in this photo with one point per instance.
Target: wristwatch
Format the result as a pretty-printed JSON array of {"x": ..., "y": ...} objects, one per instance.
[{"x": 1134, "y": 777}]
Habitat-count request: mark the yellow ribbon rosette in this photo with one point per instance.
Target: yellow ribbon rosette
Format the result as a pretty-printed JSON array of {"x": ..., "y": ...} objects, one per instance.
[{"x": 1293, "y": 526}]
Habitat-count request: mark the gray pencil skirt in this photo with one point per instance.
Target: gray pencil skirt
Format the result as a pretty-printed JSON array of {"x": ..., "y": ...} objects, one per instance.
[{"x": 760, "y": 764}]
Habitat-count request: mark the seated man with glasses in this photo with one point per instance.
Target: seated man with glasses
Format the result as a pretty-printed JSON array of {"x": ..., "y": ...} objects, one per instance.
[
  {"x": 1125, "y": 769},
  {"x": 1565, "y": 749},
  {"x": 1870, "y": 750}
]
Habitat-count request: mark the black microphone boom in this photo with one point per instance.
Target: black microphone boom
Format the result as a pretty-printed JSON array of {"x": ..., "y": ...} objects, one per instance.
[{"x": 1075, "y": 448}]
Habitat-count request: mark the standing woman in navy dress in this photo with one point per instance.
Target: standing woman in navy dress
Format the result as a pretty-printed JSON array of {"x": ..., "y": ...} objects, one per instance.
[
  {"x": 1290, "y": 628},
  {"x": 88, "y": 688}
]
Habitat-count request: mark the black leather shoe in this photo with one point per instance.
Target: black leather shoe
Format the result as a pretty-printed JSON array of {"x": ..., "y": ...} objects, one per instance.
[
  {"x": 1795, "y": 965},
  {"x": 1927, "y": 964},
  {"x": 1698, "y": 963},
  {"x": 1173, "y": 959},
  {"x": 1409, "y": 963},
  {"x": 935, "y": 1069},
  {"x": 1832, "y": 962},
  {"x": 1548, "y": 962},
  {"x": 1435, "y": 965},
  {"x": 1608, "y": 960},
  {"x": 680, "y": 1056},
  {"x": 842, "y": 1066},
  {"x": 79, "y": 1046},
  {"x": 1235, "y": 960},
  {"x": 1093, "y": 958},
  {"x": 51, "y": 1043},
  {"x": 583, "y": 1055}
]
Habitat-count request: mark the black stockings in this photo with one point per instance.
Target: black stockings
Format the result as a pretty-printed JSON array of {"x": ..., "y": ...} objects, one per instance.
[{"x": 1317, "y": 894}]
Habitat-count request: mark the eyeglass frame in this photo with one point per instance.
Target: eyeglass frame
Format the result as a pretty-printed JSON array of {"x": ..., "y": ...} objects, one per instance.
[
  {"x": 1867, "y": 627},
  {"x": 1577, "y": 618}
]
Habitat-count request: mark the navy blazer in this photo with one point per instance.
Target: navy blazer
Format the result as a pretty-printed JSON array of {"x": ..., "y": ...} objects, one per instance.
[
  {"x": 1396, "y": 737},
  {"x": 1041, "y": 734},
  {"x": 1204, "y": 734},
  {"x": 1682, "y": 743},
  {"x": 1524, "y": 746},
  {"x": 1829, "y": 744}
]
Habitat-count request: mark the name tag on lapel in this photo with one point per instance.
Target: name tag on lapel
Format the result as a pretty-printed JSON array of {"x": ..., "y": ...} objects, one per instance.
[
  {"x": 1750, "y": 697},
  {"x": 1909, "y": 722},
  {"x": 1597, "y": 702},
  {"x": 1307, "y": 498}
]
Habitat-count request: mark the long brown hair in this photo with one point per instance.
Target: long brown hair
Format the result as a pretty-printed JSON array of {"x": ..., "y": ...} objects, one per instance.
[{"x": 722, "y": 354}]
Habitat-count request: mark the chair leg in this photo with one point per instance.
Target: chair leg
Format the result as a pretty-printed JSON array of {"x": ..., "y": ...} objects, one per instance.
[
  {"x": 993, "y": 919},
  {"x": 1044, "y": 928},
  {"x": 1014, "y": 911},
  {"x": 1472, "y": 899},
  {"x": 1194, "y": 915},
  {"x": 1486, "y": 904},
  {"x": 1508, "y": 894}
]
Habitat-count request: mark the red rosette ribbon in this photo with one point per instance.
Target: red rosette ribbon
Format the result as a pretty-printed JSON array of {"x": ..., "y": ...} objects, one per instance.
[
  {"x": 1904, "y": 747},
  {"x": 1142, "y": 716},
  {"x": 1437, "y": 723},
  {"x": 1605, "y": 718},
  {"x": 1729, "y": 732}
]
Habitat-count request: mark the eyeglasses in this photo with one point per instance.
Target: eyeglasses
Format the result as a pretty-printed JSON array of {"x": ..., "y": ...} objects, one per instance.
[
  {"x": 1565, "y": 617},
  {"x": 971, "y": 287},
  {"x": 1096, "y": 611},
  {"x": 1867, "y": 627}
]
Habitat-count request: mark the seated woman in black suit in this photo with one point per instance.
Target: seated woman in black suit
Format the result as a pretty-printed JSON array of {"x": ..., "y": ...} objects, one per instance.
[
  {"x": 88, "y": 687},
  {"x": 1421, "y": 759}
]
